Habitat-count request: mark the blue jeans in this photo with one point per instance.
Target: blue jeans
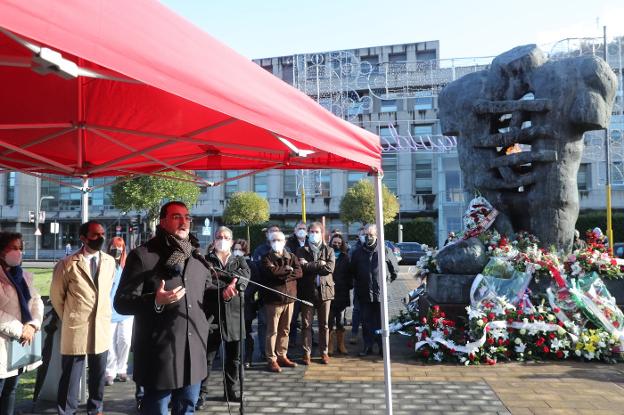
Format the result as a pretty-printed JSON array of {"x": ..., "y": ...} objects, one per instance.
[
  {"x": 8, "y": 387},
  {"x": 183, "y": 400}
]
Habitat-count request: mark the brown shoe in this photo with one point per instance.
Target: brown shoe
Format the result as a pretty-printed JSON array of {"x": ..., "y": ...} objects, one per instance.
[
  {"x": 285, "y": 361},
  {"x": 325, "y": 359},
  {"x": 306, "y": 359},
  {"x": 274, "y": 367}
]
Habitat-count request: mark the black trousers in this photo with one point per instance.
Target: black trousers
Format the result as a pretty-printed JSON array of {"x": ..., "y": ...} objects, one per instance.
[
  {"x": 231, "y": 362},
  {"x": 69, "y": 385}
]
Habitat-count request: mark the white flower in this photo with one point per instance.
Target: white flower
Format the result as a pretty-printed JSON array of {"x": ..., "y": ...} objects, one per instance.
[
  {"x": 493, "y": 349},
  {"x": 590, "y": 355},
  {"x": 522, "y": 331},
  {"x": 602, "y": 344},
  {"x": 578, "y": 352},
  {"x": 480, "y": 323},
  {"x": 474, "y": 313},
  {"x": 438, "y": 356},
  {"x": 556, "y": 344},
  {"x": 520, "y": 348},
  {"x": 561, "y": 331},
  {"x": 518, "y": 340},
  {"x": 551, "y": 317}
]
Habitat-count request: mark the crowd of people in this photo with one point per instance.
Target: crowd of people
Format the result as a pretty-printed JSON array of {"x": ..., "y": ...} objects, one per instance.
[{"x": 176, "y": 308}]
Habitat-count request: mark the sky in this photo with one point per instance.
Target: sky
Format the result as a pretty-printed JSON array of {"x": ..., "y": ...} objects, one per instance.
[{"x": 269, "y": 28}]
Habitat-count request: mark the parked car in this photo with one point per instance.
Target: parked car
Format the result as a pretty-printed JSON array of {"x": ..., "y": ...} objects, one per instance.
[
  {"x": 410, "y": 252},
  {"x": 395, "y": 249},
  {"x": 618, "y": 249}
]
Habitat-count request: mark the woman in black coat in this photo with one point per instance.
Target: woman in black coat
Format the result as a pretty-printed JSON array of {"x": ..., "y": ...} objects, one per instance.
[
  {"x": 224, "y": 304},
  {"x": 343, "y": 281}
]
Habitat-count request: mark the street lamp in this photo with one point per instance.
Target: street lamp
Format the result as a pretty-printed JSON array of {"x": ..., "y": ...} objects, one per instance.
[{"x": 37, "y": 231}]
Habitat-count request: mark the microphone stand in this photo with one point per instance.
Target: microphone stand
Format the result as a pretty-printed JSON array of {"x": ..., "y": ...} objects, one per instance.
[{"x": 241, "y": 371}]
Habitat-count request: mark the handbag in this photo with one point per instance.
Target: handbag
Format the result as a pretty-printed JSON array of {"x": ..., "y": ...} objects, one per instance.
[{"x": 21, "y": 356}]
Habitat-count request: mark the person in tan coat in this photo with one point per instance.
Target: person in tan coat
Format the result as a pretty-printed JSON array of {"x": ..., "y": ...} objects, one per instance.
[{"x": 80, "y": 294}]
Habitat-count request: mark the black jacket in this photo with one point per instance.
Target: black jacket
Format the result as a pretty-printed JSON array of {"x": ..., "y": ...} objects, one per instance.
[
  {"x": 162, "y": 341},
  {"x": 365, "y": 270},
  {"x": 343, "y": 281},
  {"x": 277, "y": 275},
  {"x": 229, "y": 323},
  {"x": 306, "y": 286},
  {"x": 292, "y": 243}
]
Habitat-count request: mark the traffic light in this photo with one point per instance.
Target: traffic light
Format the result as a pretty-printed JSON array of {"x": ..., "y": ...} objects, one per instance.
[{"x": 31, "y": 216}]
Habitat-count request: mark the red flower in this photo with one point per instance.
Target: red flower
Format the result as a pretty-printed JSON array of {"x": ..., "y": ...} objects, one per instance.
[
  {"x": 560, "y": 323},
  {"x": 500, "y": 341},
  {"x": 484, "y": 319},
  {"x": 436, "y": 308},
  {"x": 490, "y": 340},
  {"x": 435, "y": 321},
  {"x": 552, "y": 336},
  {"x": 425, "y": 353},
  {"x": 506, "y": 342},
  {"x": 556, "y": 309},
  {"x": 491, "y": 316},
  {"x": 490, "y": 361},
  {"x": 546, "y": 349},
  {"x": 559, "y": 354},
  {"x": 540, "y": 341},
  {"x": 613, "y": 261},
  {"x": 510, "y": 320},
  {"x": 446, "y": 332},
  {"x": 442, "y": 314},
  {"x": 471, "y": 357},
  {"x": 423, "y": 320},
  {"x": 532, "y": 317}
]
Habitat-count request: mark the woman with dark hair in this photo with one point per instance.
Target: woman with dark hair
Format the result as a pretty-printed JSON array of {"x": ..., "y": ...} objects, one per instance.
[
  {"x": 117, "y": 361},
  {"x": 21, "y": 313},
  {"x": 343, "y": 281}
]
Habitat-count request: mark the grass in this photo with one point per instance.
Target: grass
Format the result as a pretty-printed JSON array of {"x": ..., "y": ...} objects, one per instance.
[{"x": 42, "y": 279}]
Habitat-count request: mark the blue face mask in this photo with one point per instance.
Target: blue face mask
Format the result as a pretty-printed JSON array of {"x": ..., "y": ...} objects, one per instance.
[{"x": 315, "y": 238}]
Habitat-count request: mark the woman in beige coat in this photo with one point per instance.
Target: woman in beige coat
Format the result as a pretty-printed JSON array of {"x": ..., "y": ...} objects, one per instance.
[{"x": 21, "y": 311}]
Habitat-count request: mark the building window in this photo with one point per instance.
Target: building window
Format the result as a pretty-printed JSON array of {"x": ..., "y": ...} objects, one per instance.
[
  {"x": 397, "y": 57},
  {"x": 290, "y": 183},
  {"x": 389, "y": 105},
  {"x": 261, "y": 184},
  {"x": 231, "y": 187},
  {"x": 423, "y": 103},
  {"x": 385, "y": 133},
  {"x": 287, "y": 73},
  {"x": 389, "y": 164},
  {"x": 354, "y": 177},
  {"x": 369, "y": 65},
  {"x": 10, "y": 188},
  {"x": 617, "y": 173},
  {"x": 583, "y": 177},
  {"x": 425, "y": 55},
  {"x": 454, "y": 191},
  {"x": 422, "y": 129},
  {"x": 422, "y": 174}
]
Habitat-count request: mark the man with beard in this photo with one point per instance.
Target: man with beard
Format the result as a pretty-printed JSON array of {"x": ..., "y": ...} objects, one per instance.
[{"x": 163, "y": 286}]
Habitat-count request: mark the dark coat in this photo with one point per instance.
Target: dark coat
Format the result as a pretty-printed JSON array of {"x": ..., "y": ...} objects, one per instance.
[
  {"x": 260, "y": 252},
  {"x": 292, "y": 243},
  {"x": 276, "y": 275},
  {"x": 306, "y": 286},
  {"x": 230, "y": 310},
  {"x": 253, "y": 302},
  {"x": 161, "y": 341},
  {"x": 343, "y": 280},
  {"x": 365, "y": 270}
]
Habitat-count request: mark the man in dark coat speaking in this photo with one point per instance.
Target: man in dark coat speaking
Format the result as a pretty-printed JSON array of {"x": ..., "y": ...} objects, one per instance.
[{"x": 163, "y": 286}]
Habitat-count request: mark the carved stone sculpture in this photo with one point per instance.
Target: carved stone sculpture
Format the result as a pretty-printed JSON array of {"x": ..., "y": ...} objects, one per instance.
[{"x": 520, "y": 128}]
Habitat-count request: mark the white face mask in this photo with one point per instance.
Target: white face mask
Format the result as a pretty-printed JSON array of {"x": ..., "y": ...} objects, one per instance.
[
  {"x": 13, "y": 258},
  {"x": 238, "y": 252},
  {"x": 315, "y": 238},
  {"x": 223, "y": 245},
  {"x": 362, "y": 238},
  {"x": 277, "y": 246},
  {"x": 301, "y": 233}
]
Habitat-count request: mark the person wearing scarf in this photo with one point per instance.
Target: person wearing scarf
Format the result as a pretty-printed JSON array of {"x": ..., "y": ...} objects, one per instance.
[
  {"x": 21, "y": 313},
  {"x": 166, "y": 287}
]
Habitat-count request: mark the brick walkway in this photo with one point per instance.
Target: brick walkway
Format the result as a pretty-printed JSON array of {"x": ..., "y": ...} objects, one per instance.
[{"x": 354, "y": 385}]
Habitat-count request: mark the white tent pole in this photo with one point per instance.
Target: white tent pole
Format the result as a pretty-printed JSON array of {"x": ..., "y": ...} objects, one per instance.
[
  {"x": 381, "y": 252},
  {"x": 84, "y": 207}
]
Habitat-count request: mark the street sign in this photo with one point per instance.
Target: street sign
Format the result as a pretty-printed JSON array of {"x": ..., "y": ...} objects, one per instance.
[
  {"x": 42, "y": 216},
  {"x": 54, "y": 228},
  {"x": 206, "y": 230},
  {"x": 207, "y": 223},
  {"x": 38, "y": 232}
]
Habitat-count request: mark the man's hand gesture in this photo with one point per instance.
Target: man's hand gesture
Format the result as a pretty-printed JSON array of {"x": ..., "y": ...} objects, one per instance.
[{"x": 164, "y": 297}]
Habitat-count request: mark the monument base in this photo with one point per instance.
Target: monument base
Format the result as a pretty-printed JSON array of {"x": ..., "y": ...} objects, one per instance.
[{"x": 450, "y": 291}]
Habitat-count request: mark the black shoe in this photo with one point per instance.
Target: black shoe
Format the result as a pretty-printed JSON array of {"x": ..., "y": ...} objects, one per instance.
[
  {"x": 201, "y": 402},
  {"x": 139, "y": 405},
  {"x": 368, "y": 350},
  {"x": 231, "y": 396}
]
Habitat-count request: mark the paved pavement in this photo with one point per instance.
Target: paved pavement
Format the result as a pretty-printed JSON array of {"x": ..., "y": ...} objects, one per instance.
[{"x": 354, "y": 385}]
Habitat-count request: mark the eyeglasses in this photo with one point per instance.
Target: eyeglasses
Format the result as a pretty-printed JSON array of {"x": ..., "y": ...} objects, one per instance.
[
  {"x": 223, "y": 237},
  {"x": 179, "y": 217}
]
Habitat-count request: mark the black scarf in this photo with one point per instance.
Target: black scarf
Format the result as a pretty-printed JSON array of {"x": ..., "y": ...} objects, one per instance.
[
  {"x": 16, "y": 276},
  {"x": 179, "y": 250}
]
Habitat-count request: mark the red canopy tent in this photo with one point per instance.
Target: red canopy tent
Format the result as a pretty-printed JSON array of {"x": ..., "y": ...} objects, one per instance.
[{"x": 116, "y": 88}]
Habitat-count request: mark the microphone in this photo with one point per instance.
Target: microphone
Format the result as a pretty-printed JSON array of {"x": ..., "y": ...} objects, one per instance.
[{"x": 216, "y": 274}]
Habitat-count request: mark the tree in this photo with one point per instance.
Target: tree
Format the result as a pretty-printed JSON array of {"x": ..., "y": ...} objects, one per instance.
[
  {"x": 247, "y": 208},
  {"x": 147, "y": 193},
  {"x": 358, "y": 204}
]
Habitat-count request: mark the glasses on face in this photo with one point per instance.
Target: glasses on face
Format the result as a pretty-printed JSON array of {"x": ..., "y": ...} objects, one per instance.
[
  {"x": 179, "y": 217},
  {"x": 223, "y": 238}
]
